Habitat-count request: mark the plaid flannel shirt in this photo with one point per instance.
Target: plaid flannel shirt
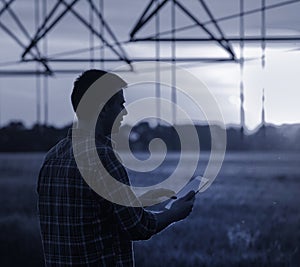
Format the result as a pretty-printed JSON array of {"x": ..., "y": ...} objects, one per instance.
[{"x": 78, "y": 227}]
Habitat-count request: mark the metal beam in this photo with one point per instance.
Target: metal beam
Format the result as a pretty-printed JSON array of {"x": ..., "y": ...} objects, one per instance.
[
  {"x": 6, "y": 73},
  {"x": 135, "y": 30},
  {"x": 46, "y": 19},
  {"x": 253, "y": 11},
  {"x": 213, "y": 38},
  {"x": 6, "y": 6},
  {"x": 231, "y": 39},
  {"x": 227, "y": 43},
  {"x": 17, "y": 21},
  {"x": 38, "y": 36},
  {"x": 179, "y": 59},
  {"x": 109, "y": 30},
  {"x": 9, "y": 73},
  {"x": 19, "y": 42},
  {"x": 43, "y": 30},
  {"x": 20, "y": 24},
  {"x": 140, "y": 20},
  {"x": 225, "y": 18},
  {"x": 81, "y": 19}
]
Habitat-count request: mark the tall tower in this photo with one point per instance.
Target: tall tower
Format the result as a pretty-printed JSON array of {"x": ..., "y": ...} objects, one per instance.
[
  {"x": 242, "y": 34},
  {"x": 263, "y": 121},
  {"x": 242, "y": 111}
]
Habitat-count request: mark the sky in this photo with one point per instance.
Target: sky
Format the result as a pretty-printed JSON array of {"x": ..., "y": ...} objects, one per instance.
[{"x": 280, "y": 77}]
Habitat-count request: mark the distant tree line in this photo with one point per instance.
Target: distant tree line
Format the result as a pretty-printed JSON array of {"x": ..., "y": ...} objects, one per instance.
[{"x": 15, "y": 137}]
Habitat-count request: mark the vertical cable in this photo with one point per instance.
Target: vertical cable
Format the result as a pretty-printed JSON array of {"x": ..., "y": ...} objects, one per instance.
[
  {"x": 38, "y": 78},
  {"x": 45, "y": 78},
  {"x": 91, "y": 12},
  {"x": 0, "y": 103},
  {"x": 174, "y": 99},
  {"x": 263, "y": 57},
  {"x": 242, "y": 35},
  {"x": 157, "y": 70},
  {"x": 102, "y": 52},
  {"x": 38, "y": 96}
]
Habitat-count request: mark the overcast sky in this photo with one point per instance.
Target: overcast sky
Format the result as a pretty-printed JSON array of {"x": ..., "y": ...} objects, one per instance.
[{"x": 280, "y": 78}]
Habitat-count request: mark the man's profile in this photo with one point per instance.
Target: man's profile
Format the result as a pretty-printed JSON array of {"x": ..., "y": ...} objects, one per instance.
[{"x": 78, "y": 226}]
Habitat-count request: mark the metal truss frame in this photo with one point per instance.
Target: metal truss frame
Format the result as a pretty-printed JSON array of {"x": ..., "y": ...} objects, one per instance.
[
  {"x": 32, "y": 53},
  {"x": 224, "y": 42}
]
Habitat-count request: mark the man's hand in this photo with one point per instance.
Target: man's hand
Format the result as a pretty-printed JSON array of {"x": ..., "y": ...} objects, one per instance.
[
  {"x": 182, "y": 207},
  {"x": 156, "y": 195}
]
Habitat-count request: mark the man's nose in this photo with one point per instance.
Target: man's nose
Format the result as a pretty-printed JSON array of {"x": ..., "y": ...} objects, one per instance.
[{"x": 124, "y": 112}]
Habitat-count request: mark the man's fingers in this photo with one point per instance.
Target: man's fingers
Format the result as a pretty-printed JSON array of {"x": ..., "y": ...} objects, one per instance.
[
  {"x": 162, "y": 192},
  {"x": 189, "y": 196},
  {"x": 167, "y": 192},
  {"x": 158, "y": 193}
]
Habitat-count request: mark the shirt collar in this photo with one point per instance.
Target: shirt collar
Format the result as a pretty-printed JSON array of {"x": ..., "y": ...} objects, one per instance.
[{"x": 81, "y": 133}]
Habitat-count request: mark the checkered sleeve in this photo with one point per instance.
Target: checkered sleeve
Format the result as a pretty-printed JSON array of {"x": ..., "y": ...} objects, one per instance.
[{"x": 135, "y": 222}]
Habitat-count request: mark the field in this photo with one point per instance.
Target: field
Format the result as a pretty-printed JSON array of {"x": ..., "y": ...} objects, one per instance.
[{"x": 250, "y": 216}]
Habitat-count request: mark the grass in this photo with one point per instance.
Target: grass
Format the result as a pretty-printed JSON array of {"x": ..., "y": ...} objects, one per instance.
[{"x": 250, "y": 216}]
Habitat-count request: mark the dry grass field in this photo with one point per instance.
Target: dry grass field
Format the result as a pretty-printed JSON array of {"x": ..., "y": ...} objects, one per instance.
[{"x": 250, "y": 216}]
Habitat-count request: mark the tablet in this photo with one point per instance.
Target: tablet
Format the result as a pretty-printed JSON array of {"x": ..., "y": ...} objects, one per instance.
[{"x": 195, "y": 184}]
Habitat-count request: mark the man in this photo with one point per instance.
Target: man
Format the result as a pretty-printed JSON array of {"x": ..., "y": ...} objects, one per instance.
[{"x": 78, "y": 226}]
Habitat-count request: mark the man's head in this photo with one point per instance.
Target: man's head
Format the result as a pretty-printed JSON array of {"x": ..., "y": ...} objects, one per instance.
[{"x": 101, "y": 85}]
